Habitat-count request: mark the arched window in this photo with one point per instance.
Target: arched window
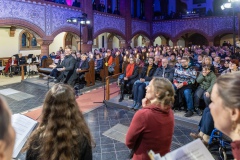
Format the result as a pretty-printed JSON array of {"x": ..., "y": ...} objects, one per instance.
[{"x": 28, "y": 41}]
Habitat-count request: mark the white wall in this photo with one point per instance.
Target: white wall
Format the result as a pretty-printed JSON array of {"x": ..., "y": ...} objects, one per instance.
[
  {"x": 139, "y": 41},
  {"x": 74, "y": 44},
  {"x": 181, "y": 42},
  {"x": 57, "y": 42},
  {"x": 10, "y": 45},
  {"x": 158, "y": 41},
  {"x": 100, "y": 40},
  {"x": 226, "y": 38},
  {"x": 115, "y": 42}
]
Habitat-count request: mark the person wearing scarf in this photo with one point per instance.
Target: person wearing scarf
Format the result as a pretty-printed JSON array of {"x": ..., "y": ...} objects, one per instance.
[{"x": 130, "y": 75}]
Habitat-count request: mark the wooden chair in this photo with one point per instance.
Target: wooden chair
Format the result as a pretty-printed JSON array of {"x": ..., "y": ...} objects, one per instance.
[
  {"x": 116, "y": 68},
  {"x": 90, "y": 74}
]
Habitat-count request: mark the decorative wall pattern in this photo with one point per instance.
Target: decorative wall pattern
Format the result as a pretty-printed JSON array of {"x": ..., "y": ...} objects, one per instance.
[
  {"x": 60, "y": 16},
  {"x": 207, "y": 26},
  {"x": 140, "y": 26},
  {"x": 103, "y": 21},
  {"x": 33, "y": 13}
]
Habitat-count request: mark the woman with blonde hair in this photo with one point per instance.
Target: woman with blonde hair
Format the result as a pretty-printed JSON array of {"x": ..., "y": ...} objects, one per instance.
[
  {"x": 207, "y": 61},
  {"x": 225, "y": 108},
  {"x": 7, "y": 133},
  {"x": 152, "y": 127},
  {"x": 62, "y": 133}
]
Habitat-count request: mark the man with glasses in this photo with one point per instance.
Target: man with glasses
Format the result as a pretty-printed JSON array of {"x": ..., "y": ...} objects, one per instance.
[
  {"x": 183, "y": 80},
  {"x": 165, "y": 70}
]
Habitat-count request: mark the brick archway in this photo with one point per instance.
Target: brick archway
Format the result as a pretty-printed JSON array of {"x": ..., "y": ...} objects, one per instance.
[
  {"x": 110, "y": 30},
  {"x": 166, "y": 36},
  {"x": 144, "y": 34},
  {"x": 66, "y": 29},
  {"x": 38, "y": 32},
  {"x": 191, "y": 31}
]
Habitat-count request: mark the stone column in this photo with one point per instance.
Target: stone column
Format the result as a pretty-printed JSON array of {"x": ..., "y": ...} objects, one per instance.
[
  {"x": 125, "y": 10},
  {"x": 44, "y": 46}
]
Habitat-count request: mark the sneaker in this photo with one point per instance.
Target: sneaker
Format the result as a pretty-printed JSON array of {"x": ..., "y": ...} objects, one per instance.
[
  {"x": 137, "y": 106},
  {"x": 198, "y": 111},
  {"x": 189, "y": 114}
]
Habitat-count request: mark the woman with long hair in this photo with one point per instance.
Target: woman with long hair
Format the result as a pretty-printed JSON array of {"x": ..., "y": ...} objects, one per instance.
[
  {"x": 62, "y": 133},
  {"x": 7, "y": 133},
  {"x": 225, "y": 108},
  {"x": 152, "y": 127}
]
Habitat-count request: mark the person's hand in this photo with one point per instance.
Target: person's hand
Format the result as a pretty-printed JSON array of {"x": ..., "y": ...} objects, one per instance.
[
  {"x": 176, "y": 85},
  {"x": 142, "y": 80},
  {"x": 63, "y": 69},
  {"x": 180, "y": 85},
  {"x": 145, "y": 102},
  {"x": 125, "y": 78},
  {"x": 207, "y": 94}
]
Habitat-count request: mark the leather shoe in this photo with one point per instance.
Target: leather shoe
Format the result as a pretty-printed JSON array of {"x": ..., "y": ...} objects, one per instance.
[{"x": 189, "y": 114}]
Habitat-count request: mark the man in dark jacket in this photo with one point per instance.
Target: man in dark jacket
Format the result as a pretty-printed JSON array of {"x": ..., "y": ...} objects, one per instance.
[
  {"x": 165, "y": 70},
  {"x": 66, "y": 68},
  {"x": 140, "y": 85}
]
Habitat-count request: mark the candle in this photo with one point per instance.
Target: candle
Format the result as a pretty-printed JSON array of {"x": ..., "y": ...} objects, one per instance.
[{"x": 147, "y": 54}]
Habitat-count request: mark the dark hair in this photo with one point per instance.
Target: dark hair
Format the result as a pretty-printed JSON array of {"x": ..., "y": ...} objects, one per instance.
[
  {"x": 207, "y": 67},
  {"x": 63, "y": 124},
  {"x": 229, "y": 84},
  {"x": 5, "y": 121}
]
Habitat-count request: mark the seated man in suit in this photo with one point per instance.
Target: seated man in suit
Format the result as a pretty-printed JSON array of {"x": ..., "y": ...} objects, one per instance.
[
  {"x": 81, "y": 66},
  {"x": 67, "y": 69},
  {"x": 54, "y": 73}
]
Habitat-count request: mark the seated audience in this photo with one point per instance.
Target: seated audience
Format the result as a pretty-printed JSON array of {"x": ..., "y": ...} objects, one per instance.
[
  {"x": 233, "y": 67},
  {"x": 62, "y": 132},
  {"x": 98, "y": 66},
  {"x": 184, "y": 78},
  {"x": 67, "y": 69},
  {"x": 172, "y": 62},
  {"x": 206, "y": 79},
  {"x": 54, "y": 73},
  {"x": 81, "y": 67},
  {"x": 207, "y": 60},
  {"x": 11, "y": 65},
  {"x": 152, "y": 127},
  {"x": 7, "y": 133},
  {"x": 130, "y": 75},
  {"x": 139, "y": 86},
  {"x": 198, "y": 63},
  {"x": 225, "y": 108},
  {"x": 165, "y": 70}
]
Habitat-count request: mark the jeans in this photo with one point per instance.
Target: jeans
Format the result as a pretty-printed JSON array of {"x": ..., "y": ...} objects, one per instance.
[
  {"x": 200, "y": 93},
  {"x": 206, "y": 124},
  {"x": 189, "y": 100},
  {"x": 54, "y": 73},
  {"x": 139, "y": 92}
]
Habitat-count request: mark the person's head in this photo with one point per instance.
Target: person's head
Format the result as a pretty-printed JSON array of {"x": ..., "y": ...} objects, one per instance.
[
  {"x": 213, "y": 54},
  {"x": 233, "y": 65},
  {"x": 225, "y": 106},
  {"x": 7, "y": 133},
  {"x": 150, "y": 60},
  {"x": 13, "y": 57},
  {"x": 226, "y": 63},
  {"x": 157, "y": 58},
  {"x": 179, "y": 58},
  {"x": 173, "y": 57},
  {"x": 62, "y": 128},
  {"x": 160, "y": 91},
  {"x": 185, "y": 62},
  {"x": 207, "y": 60},
  {"x": 20, "y": 55},
  {"x": 200, "y": 58},
  {"x": 109, "y": 52},
  {"x": 206, "y": 69},
  {"x": 83, "y": 57},
  {"x": 164, "y": 62},
  {"x": 217, "y": 59},
  {"x": 98, "y": 56},
  {"x": 78, "y": 54},
  {"x": 132, "y": 60},
  {"x": 67, "y": 51}
]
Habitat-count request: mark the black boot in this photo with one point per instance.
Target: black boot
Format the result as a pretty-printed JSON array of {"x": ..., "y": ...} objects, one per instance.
[{"x": 121, "y": 93}]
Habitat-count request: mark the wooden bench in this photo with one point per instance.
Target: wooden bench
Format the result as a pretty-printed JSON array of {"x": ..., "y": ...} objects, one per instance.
[
  {"x": 116, "y": 68},
  {"x": 104, "y": 71},
  {"x": 90, "y": 74}
]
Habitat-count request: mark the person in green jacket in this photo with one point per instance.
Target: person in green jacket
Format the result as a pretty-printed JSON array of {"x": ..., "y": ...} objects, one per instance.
[{"x": 206, "y": 80}]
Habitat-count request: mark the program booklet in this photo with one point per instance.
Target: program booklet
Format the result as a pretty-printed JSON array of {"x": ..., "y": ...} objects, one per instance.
[
  {"x": 23, "y": 127},
  {"x": 194, "y": 150}
]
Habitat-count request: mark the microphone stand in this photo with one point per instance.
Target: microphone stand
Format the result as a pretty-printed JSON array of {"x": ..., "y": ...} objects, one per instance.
[
  {"x": 48, "y": 78},
  {"x": 104, "y": 87}
]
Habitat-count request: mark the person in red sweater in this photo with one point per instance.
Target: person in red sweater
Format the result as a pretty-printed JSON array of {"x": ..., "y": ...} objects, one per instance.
[
  {"x": 11, "y": 63},
  {"x": 152, "y": 127},
  {"x": 225, "y": 108}
]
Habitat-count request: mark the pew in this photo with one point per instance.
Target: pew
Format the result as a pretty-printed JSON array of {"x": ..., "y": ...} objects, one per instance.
[
  {"x": 116, "y": 68},
  {"x": 104, "y": 71},
  {"x": 90, "y": 74}
]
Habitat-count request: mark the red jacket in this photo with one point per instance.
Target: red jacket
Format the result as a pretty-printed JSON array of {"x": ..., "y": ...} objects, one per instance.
[
  {"x": 151, "y": 129},
  {"x": 9, "y": 64}
]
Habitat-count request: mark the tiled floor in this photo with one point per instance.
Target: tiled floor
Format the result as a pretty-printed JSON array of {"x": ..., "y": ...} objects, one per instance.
[{"x": 99, "y": 120}]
